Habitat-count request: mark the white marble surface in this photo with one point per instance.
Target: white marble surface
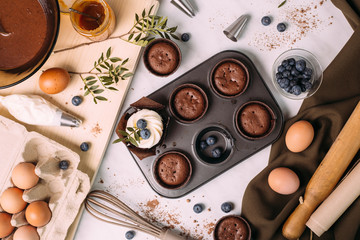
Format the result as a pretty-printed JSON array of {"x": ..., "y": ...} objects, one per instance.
[{"x": 119, "y": 174}]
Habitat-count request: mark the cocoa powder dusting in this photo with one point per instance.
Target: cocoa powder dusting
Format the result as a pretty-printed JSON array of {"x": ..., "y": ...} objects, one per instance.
[
  {"x": 96, "y": 130},
  {"x": 300, "y": 20}
]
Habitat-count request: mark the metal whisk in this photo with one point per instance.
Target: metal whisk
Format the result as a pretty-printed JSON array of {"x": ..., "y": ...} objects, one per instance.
[{"x": 110, "y": 209}]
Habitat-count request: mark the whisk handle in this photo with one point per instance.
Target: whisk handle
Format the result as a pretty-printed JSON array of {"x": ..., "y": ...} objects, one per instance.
[{"x": 167, "y": 234}]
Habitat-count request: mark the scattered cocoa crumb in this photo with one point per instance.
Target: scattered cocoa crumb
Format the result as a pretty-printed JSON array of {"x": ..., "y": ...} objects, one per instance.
[
  {"x": 188, "y": 200},
  {"x": 210, "y": 227},
  {"x": 96, "y": 130},
  {"x": 66, "y": 103},
  {"x": 132, "y": 89},
  {"x": 209, "y": 209},
  {"x": 152, "y": 204},
  {"x": 101, "y": 181}
]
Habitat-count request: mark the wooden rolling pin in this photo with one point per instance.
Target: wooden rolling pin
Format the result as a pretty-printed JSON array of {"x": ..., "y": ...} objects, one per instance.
[{"x": 326, "y": 176}]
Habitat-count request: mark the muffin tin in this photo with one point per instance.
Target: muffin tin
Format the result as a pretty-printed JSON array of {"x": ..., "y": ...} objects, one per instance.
[{"x": 219, "y": 121}]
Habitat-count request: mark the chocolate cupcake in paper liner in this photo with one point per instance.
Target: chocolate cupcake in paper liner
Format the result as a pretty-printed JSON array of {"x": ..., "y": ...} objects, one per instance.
[{"x": 154, "y": 123}]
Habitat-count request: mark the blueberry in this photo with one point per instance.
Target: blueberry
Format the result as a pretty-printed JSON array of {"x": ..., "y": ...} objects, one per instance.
[
  {"x": 291, "y": 61},
  {"x": 129, "y": 235},
  {"x": 266, "y": 20},
  {"x": 203, "y": 145},
  {"x": 285, "y": 63},
  {"x": 286, "y": 74},
  {"x": 300, "y": 65},
  {"x": 64, "y": 164},
  {"x": 211, "y": 140},
  {"x": 278, "y": 75},
  {"x": 145, "y": 133},
  {"x": 294, "y": 72},
  {"x": 284, "y": 83},
  {"x": 198, "y": 208},
  {"x": 292, "y": 83},
  {"x": 281, "y": 27},
  {"x": 291, "y": 77},
  {"x": 76, "y": 100},
  {"x": 288, "y": 67},
  {"x": 216, "y": 152},
  {"x": 308, "y": 72},
  {"x": 302, "y": 86},
  {"x": 296, "y": 90},
  {"x": 308, "y": 85},
  {"x": 281, "y": 68},
  {"x": 141, "y": 124},
  {"x": 288, "y": 89},
  {"x": 226, "y": 207},
  {"x": 84, "y": 146},
  {"x": 185, "y": 37}
]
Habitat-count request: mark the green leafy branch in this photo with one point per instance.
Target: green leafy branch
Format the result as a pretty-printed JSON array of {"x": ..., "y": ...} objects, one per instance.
[
  {"x": 108, "y": 73},
  {"x": 281, "y": 4},
  {"x": 141, "y": 33},
  {"x": 133, "y": 136},
  {"x": 147, "y": 26}
]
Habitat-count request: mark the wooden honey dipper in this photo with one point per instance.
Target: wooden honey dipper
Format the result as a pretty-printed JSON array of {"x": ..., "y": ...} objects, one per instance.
[
  {"x": 326, "y": 176},
  {"x": 110, "y": 209}
]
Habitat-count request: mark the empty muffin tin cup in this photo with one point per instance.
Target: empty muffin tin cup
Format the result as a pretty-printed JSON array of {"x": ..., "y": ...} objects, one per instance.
[
  {"x": 255, "y": 120},
  {"x": 162, "y": 57},
  {"x": 229, "y": 78},
  {"x": 172, "y": 169},
  {"x": 223, "y": 142},
  {"x": 188, "y": 103},
  {"x": 232, "y": 227}
]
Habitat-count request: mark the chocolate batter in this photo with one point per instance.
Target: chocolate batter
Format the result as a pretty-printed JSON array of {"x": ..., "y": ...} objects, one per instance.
[{"x": 26, "y": 21}]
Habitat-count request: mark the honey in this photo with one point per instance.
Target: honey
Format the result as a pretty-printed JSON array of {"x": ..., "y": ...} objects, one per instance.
[{"x": 97, "y": 21}]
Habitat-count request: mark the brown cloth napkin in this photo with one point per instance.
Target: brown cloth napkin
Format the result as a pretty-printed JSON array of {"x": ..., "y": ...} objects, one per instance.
[{"x": 328, "y": 111}]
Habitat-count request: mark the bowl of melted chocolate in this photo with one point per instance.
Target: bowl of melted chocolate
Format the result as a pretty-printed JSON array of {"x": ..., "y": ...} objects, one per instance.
[{"x": 29, "y": 30}]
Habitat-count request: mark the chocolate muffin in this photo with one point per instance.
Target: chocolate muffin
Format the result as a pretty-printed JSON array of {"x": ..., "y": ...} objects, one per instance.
[
  {"x": 162, "y": 58},
  {"x": 232, "y": 228},
  {"x": 254, "y": 120},
  {"x": 189, "y": 103},
  {"x": 230, "y": 78},
  {"x": 173, "y": 169}
]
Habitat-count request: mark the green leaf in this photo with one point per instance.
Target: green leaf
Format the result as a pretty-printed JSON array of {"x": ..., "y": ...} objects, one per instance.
[
  {"x": 130, "y": 129},
  {"x": 91, "y": 82},
  {"x": 137, "y": 37},
  {"x": 107, "y": 78},
  {"x": 117, "y": 140},
  {"x": 92, "y": 88},
  {"x": 115, "y": 59},
  {"x": 136, "y": 17},
  {"x": 95, "y": 100},
  {"x": 125, "y": 61},
  {"x": 127, "y": 75},
  {"x": 282, "y": 4},
  {"x": 103, "y": 66},
  {"x": 133, "y": 142},
  {"x": 137, "y": 137},
  {"x": 123, "y": 133},
  {"x": 107, "y": 64},
  {"x": 151, "y": 8},
  {"x": 99, "y": 70},
  {"x": 101, "y": 98},
  {"x": 166, "y": 35},
  {"x": 108, "y": 52},
  {"x": 113, "y": 89},
  {"x": 130, "y": 36},
  {"x": 172, "y": 30},
  {"x": 174, "y": 36},
  {"x": 89, "y": 78},
  {"x": 86, "y": 92},
  {"x": 98, "y": 91},
  {"x": 143, "y": 13},
  {"x": 159, "y": 33}
]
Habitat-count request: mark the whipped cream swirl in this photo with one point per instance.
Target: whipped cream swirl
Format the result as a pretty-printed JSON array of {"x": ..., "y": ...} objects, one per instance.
[{"x": 154, "y": 125}]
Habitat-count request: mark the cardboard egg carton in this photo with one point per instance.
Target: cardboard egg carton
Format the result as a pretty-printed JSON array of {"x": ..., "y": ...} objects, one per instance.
[{"x": 64, "y": 190}]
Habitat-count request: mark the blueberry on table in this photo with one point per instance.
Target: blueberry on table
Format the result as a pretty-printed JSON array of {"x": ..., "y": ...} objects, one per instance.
[
  {"x": 198, "y": 208},
  {"x": 203, "y": 145},
  {"x": 76, "y": 100},
  {"x": 226, "y": 207},
  {"x": 211, "y": 140},
  {"x": 64, "y": 164},
  {"x": 216, "y": 152},
  {"x": 129, "y": 235},
  {"x": 141, "y": 124},
  {"x": 281, "y": 27},
  {"x": 300, "y": 65},
  {"x": 185, "y": 37},
  {"x": 266, "y": 20},
  {"x": 296, "y": 90},
  {"x": 145, "y": 133},
  {"x": 84, "y": 146}
]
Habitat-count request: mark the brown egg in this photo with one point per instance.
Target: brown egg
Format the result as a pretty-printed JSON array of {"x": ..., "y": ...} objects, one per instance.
[
  {"x": 283, "y": 181},
  {"x": 11, "y": 200},
  {"x": 54, "y": 80},
  {"x": 26, "y": 232},
  {"x": 23, "y": 176},
  {"x": 38, "y": 213},
  {"x": 299, "y": 136},
  {"x": 5, "y": 225}
]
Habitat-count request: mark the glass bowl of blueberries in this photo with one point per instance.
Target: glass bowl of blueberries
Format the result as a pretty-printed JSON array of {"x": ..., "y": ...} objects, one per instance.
[{"x": 297, "y": 74}]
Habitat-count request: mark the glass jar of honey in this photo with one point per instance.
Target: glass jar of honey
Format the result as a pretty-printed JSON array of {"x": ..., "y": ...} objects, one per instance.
[{"x": 93, "y": 19}]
